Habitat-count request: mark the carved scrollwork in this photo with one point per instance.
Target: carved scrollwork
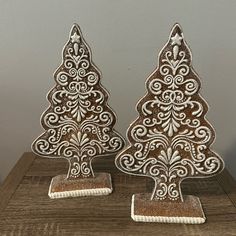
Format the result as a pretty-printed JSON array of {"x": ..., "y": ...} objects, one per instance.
[
  {"x": 78, "y": 123},
  {"x": 171, "y": 139}
]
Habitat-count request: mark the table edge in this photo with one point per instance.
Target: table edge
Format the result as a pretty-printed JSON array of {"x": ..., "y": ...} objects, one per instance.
[
  {"x": 228, "y": 184},
  {"x": 13, "y": 179}
]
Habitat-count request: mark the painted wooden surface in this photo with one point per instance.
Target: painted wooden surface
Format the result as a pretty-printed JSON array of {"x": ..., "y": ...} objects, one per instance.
[{"x": 25, "y": 208}]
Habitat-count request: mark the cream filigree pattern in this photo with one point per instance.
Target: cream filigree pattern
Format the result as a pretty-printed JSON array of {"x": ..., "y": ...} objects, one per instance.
[
  {"x": 79, "y": 123},
  {"x": 171, "y": 138}
]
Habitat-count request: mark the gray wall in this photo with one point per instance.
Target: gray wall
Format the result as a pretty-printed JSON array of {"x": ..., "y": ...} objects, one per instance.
[{"x": 125, "y": 37}]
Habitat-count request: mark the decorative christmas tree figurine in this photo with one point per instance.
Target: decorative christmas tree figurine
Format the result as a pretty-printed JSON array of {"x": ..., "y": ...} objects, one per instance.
[
  {"x": 78, "y": 124},
  {"x": 170, "y": 140}
]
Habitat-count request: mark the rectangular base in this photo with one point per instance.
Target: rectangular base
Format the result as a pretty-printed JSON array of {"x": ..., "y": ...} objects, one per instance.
[
  {"x": 187, "y": 212},
  {"x": 60, "y": 187}
]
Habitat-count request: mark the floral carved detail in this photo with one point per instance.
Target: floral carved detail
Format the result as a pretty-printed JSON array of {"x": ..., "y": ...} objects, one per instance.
[
  {"x": 78, "y": 123},
  {"x": 170, "y": 140}
]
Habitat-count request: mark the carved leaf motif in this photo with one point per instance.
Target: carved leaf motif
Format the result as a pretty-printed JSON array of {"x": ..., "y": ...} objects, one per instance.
[
  {"x": 79, "y": 139},
  {"x": 169, "y": 157}
]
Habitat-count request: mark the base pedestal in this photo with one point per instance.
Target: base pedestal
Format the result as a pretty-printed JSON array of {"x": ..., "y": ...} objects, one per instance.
[
  {"x": 60, "y": 187},
  {"x": 188, "y": 212}
]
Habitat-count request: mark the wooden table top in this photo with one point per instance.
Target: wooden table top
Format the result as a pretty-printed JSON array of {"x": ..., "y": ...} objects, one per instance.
[{"x": 26, "y": 209}]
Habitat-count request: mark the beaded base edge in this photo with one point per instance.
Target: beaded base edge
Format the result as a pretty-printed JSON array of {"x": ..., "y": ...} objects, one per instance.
[
  {"x": 80, "y": 192},
  {"x": 166, "y": 219}
]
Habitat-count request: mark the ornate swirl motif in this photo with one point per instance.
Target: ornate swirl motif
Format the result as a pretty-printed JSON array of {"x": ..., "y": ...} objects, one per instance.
[
  {"x": 79, "y": 123},
  {"x": 171, "y": 138}
]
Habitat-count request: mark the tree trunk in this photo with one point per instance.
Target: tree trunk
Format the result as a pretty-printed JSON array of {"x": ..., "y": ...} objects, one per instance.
[
  {"x": 167, "y": 191},
  {"x": 79, "y": 169}
]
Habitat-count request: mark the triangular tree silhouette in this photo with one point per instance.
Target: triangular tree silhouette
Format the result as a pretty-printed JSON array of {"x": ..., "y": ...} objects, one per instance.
[
  {"x": 171, "y": 138},
  {"x": 79, "y": 123}
]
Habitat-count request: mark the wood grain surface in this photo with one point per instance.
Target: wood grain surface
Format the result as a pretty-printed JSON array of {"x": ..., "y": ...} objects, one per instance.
[{"x": 26, "y": 209}]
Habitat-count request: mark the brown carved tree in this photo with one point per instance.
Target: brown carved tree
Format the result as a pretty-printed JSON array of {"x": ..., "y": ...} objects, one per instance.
[
  {"x": 79, "y": 123},
  {"x": 171, "y": 138}
]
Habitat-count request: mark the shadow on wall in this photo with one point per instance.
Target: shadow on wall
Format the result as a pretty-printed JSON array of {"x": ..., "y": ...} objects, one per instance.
[{"x": 230, "y": 159}]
